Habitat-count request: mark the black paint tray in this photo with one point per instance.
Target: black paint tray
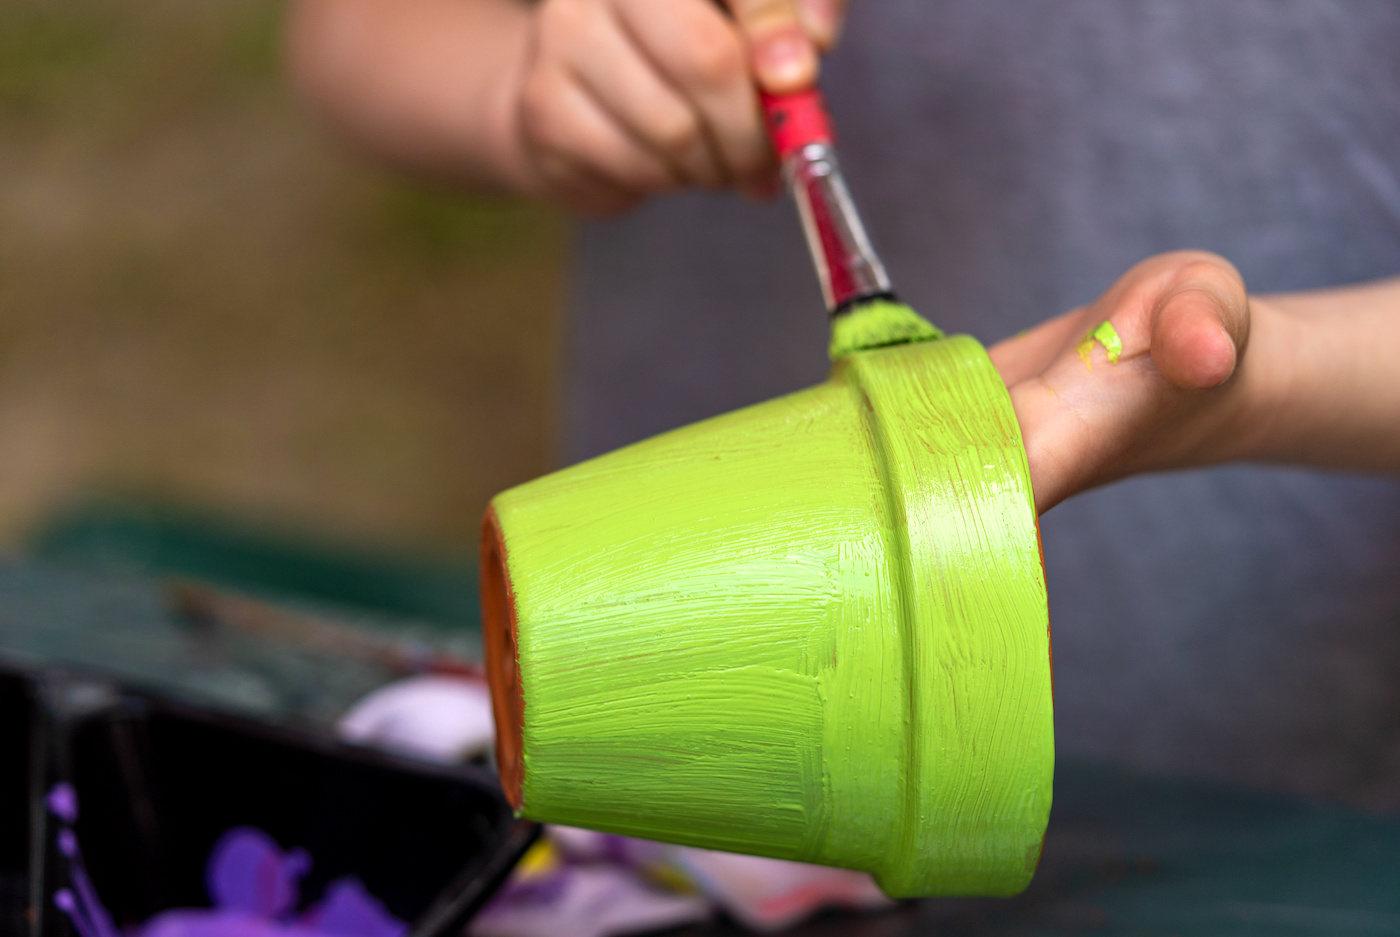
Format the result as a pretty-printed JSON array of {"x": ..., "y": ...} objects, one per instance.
[{"x": 158, "y": 782}]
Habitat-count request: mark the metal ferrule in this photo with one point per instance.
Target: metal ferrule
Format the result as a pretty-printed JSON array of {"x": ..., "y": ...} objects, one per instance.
[{"x": 846, "y": 263}]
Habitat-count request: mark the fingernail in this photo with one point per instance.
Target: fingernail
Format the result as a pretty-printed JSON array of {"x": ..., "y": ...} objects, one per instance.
[
  {"x": 785, "y": 61},
  {"x": 820, "y": 20}
]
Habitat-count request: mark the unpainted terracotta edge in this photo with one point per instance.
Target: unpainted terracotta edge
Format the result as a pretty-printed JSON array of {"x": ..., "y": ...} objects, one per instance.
[{"x": 500, "y": 637}]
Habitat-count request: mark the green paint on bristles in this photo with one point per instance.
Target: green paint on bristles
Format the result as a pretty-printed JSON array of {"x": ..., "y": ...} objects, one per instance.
[{"x": 875, "y": 324}]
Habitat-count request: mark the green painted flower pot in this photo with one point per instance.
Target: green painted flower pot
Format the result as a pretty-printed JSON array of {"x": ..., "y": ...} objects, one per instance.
[{"x": 814, "y": 629}]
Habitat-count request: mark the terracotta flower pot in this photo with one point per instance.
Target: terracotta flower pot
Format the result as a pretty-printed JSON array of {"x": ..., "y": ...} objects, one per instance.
[{"x": 814, "y": 629}]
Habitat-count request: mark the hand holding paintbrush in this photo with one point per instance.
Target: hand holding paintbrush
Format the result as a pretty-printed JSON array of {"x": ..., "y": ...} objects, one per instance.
[{"x": 595, "y": 105}]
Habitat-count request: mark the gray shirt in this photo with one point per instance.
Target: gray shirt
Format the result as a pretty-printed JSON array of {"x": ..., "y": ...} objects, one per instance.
[{"x": 1013, "y": 157}]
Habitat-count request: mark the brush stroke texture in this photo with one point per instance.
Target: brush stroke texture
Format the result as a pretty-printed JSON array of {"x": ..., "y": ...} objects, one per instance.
[{"x": 814, "y": 629}]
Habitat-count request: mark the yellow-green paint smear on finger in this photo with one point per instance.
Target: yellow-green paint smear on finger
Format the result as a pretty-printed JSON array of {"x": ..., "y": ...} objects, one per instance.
[{"x": 1106, "y": 335}]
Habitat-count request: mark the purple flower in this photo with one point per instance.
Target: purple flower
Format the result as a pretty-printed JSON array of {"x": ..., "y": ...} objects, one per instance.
[
  {"x": 249, "y": 873},
  {"x": 62, "y": 802}
]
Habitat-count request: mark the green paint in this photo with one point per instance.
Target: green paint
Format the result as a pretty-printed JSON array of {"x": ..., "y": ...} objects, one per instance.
[
  {"x": 875, "y": 324},
  {"x": 814, "y": 629},
  {"x": 1106, "y": 335}
]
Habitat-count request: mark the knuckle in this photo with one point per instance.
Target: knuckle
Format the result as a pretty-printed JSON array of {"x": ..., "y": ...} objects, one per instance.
[
  {"x": 645, "y": 176},
  {"x": 537, "y": 118},
  {"x": 546, "y": 133},
  {"x": 677, "y": 132},
  {"x": 1196, "y": 262},
  {"x": 755, "y": 161},
  {"x": 1199, "y": 269},
  {"x": 556, "y": 176},
  {"x": 716, "y": 54},
  {"x": 560, "y": 19},
  {"x": 1211, "y": 268},
  {"x": 567, "y": 28}
]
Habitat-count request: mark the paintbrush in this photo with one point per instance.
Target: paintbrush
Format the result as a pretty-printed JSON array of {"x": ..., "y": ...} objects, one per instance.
[
  {"x": 207, "y": 607},
  {"x": 864, "y": 310}
]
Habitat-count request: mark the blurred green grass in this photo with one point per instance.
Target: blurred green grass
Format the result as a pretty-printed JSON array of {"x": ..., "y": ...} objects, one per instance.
[
  {"x": 204, "y": 301},
  {"x": 41, "y": 46}
]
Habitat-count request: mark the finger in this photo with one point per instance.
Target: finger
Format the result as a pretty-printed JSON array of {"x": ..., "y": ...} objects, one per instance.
[
  {"x": 698, "y": 50},
  {"x": 576, "y": 188},
  {"x": 1200, "y": 323},
  {"x": 624, "y": 82},
  {"x": 764, "y": 188},
  {"x": 1133, "y": 305},
  {"x": 565, "y": 127},
  {"x": 1030, "y": 352},
  {"x": 822, "y": 21},
  {"x": 783, "y": 56},
  {"x": 1179, "y": 322},
  {"x": 1190, "y": 345},
  {"x": 1064, "y": 446}
]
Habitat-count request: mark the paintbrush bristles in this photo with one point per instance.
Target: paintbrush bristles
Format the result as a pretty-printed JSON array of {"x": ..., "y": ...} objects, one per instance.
[{"x": 876, "y": 323}]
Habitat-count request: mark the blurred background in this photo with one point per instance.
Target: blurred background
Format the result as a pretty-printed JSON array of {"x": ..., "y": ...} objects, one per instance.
[{"x": 206, "y": 305}]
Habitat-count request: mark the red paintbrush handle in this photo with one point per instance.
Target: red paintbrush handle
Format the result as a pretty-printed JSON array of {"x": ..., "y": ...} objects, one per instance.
[
  {"x": 800, "y": 129},
  {"x": 796, "y": 120}
]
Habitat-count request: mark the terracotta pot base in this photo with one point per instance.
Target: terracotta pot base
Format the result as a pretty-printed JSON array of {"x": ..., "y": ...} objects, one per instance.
[
  {"x": 814, "y": 629},
  {"x": 502, "y": 657}
]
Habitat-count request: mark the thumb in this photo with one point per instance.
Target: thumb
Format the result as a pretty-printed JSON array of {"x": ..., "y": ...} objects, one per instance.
[
  {"x": 1200, "y": 324},
  {"x": 783, "y": 54}
]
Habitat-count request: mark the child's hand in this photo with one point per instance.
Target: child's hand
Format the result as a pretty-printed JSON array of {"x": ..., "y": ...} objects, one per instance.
[
  {"x": 622, "y": 99},
  {"x": 1170, "y": 399}
]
